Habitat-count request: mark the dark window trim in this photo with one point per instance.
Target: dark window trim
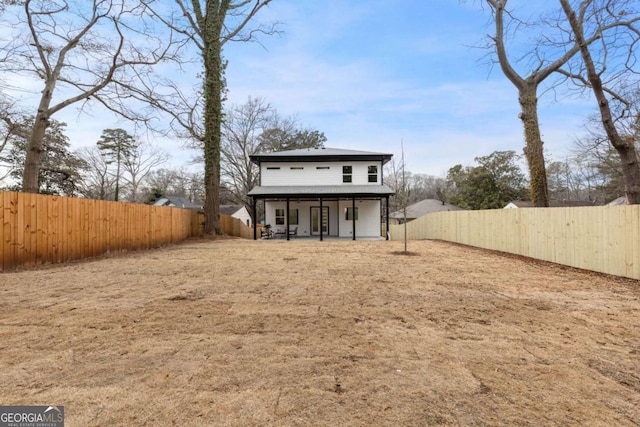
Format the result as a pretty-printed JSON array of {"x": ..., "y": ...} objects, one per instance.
[
  {"x": 297, "y": 216},
  {"x": 346, "y": 214},
  {"x": 373, "y": 176},
  {"x": 347, "y": 174}
]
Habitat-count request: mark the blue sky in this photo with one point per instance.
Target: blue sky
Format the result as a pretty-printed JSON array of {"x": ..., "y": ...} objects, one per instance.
[{"x": 373, "y": 73}]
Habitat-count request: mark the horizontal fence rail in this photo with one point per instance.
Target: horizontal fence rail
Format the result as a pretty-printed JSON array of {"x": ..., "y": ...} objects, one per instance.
[
  {"x": 39, "y": 229},
  {"x": 605, "y": 239}
]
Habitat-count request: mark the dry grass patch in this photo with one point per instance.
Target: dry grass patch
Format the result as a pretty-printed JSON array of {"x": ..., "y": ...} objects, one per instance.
[{"x": 235, "y": 332}]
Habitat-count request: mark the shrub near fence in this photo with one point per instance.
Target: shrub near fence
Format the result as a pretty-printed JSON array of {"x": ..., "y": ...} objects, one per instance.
[
  {"x": 38, "y": 229},
  {"x": 600, "y": 238}
]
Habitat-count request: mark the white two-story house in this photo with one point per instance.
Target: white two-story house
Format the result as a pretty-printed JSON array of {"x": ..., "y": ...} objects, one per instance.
[{"x": 324, "y": 192}]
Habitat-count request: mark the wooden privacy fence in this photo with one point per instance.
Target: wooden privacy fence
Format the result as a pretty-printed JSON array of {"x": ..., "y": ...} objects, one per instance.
[
  {"x": 235, "y": 227},
  {"x": 38, "y": 229},
  {"x": 600, "y": 238}
]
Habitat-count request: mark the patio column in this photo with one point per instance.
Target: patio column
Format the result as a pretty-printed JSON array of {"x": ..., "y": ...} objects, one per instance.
[
  {"x": 320, "y": 220},
  {"x": 287, "y": 218},
  {"x": 353, "y": 216},
  {"x": 387, "y": 215},
  {"x": 255, "y": 220}
]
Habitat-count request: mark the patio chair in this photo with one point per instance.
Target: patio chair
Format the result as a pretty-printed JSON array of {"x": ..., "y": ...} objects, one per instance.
[
  {"x": 266, "y": 233},
  {"x": 293, "y": 232}
]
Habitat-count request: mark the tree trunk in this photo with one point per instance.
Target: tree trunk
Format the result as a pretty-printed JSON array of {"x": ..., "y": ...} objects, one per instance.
[
  {"x": 117, "y": 195},
  {"x": 32, "y": 162},
  {"x": 213, "y": 87},
  {"x": 630, "y": 166},
  {"x": 534, "y": 146},
  {"x": 625, "y": 146}
]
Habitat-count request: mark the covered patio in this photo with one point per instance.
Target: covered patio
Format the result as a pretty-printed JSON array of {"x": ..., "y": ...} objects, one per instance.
[{"x": 324, "y": 212}]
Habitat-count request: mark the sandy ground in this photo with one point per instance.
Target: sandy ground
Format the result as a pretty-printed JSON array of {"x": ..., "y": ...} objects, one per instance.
[{"x": 241, "y": 333}]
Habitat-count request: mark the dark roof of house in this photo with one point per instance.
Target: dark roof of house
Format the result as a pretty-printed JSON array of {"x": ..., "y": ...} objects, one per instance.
[
  {"x": 554, "y": 203},
  {"x": 229, "y": 209},
  {"x": 324, "y": 154},
  {"x": 424, "y": 207},
  {"x": 178, "y": 201},
  {"x": 314, "y": 191}
]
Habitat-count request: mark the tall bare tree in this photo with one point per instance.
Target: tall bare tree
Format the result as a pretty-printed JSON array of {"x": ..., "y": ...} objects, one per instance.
[
  {"x": 175, "y": 182},
  {"x": 241, "y": 131},
  {"x": 11, "y": 126},
  {"x": 97, "y": 180},
  {"x": 209, "y": 25},
  {"x": 77, "y": 48},
  {"x": 622, "y": 14},
  {"x": 142, "y": 159},
  {"x": 253, "y": 127},
  {"x": 544, "y": 63}
]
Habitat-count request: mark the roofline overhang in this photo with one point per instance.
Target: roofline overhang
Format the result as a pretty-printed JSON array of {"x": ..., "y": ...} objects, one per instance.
[
  {"x": 260, "y": 158},
  {"x": 315, "y": 196}
]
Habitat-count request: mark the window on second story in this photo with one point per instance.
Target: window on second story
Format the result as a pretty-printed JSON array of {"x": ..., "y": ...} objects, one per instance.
[
  {"x": 347, "y": 174},
  {"x": 373, "y": 173}
]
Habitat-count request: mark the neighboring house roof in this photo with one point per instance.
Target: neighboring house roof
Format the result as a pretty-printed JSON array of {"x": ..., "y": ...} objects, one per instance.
[
  {"x": 622, "y": 200},
  {"x": 552, "y": 203},
  {"x": 424, "y": 207},
  {"x": 177, "y": 201},
  {"x": 230, "y": 209},
  {"x": 324, "y": 154},
  {"x": 320, "y": 190}
]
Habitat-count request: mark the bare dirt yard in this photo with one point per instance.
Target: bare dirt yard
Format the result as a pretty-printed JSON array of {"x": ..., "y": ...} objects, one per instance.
[{"x": 309, "y": 333}]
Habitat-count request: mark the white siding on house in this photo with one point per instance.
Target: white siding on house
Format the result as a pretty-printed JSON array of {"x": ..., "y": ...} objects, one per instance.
[
  {"x": 367, "y": 225},
  {"x": 243, "y": 215},
  {"x": 304, "y": 215},
  {"x": 310, "y": 174}
]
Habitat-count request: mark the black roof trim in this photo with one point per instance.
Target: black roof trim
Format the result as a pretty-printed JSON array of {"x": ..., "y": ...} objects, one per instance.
[
  {"x": 384, "y": 158},
  {"x": 314, "y": 192}
]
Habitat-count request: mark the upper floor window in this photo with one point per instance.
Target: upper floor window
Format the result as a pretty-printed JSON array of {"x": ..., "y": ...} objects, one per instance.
[
  {"x": 273, "y": 167},
  {"x": 347, "y": 174},
  {"x": 373, "y": 173},
  {"x": 296, "y": 168}
]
